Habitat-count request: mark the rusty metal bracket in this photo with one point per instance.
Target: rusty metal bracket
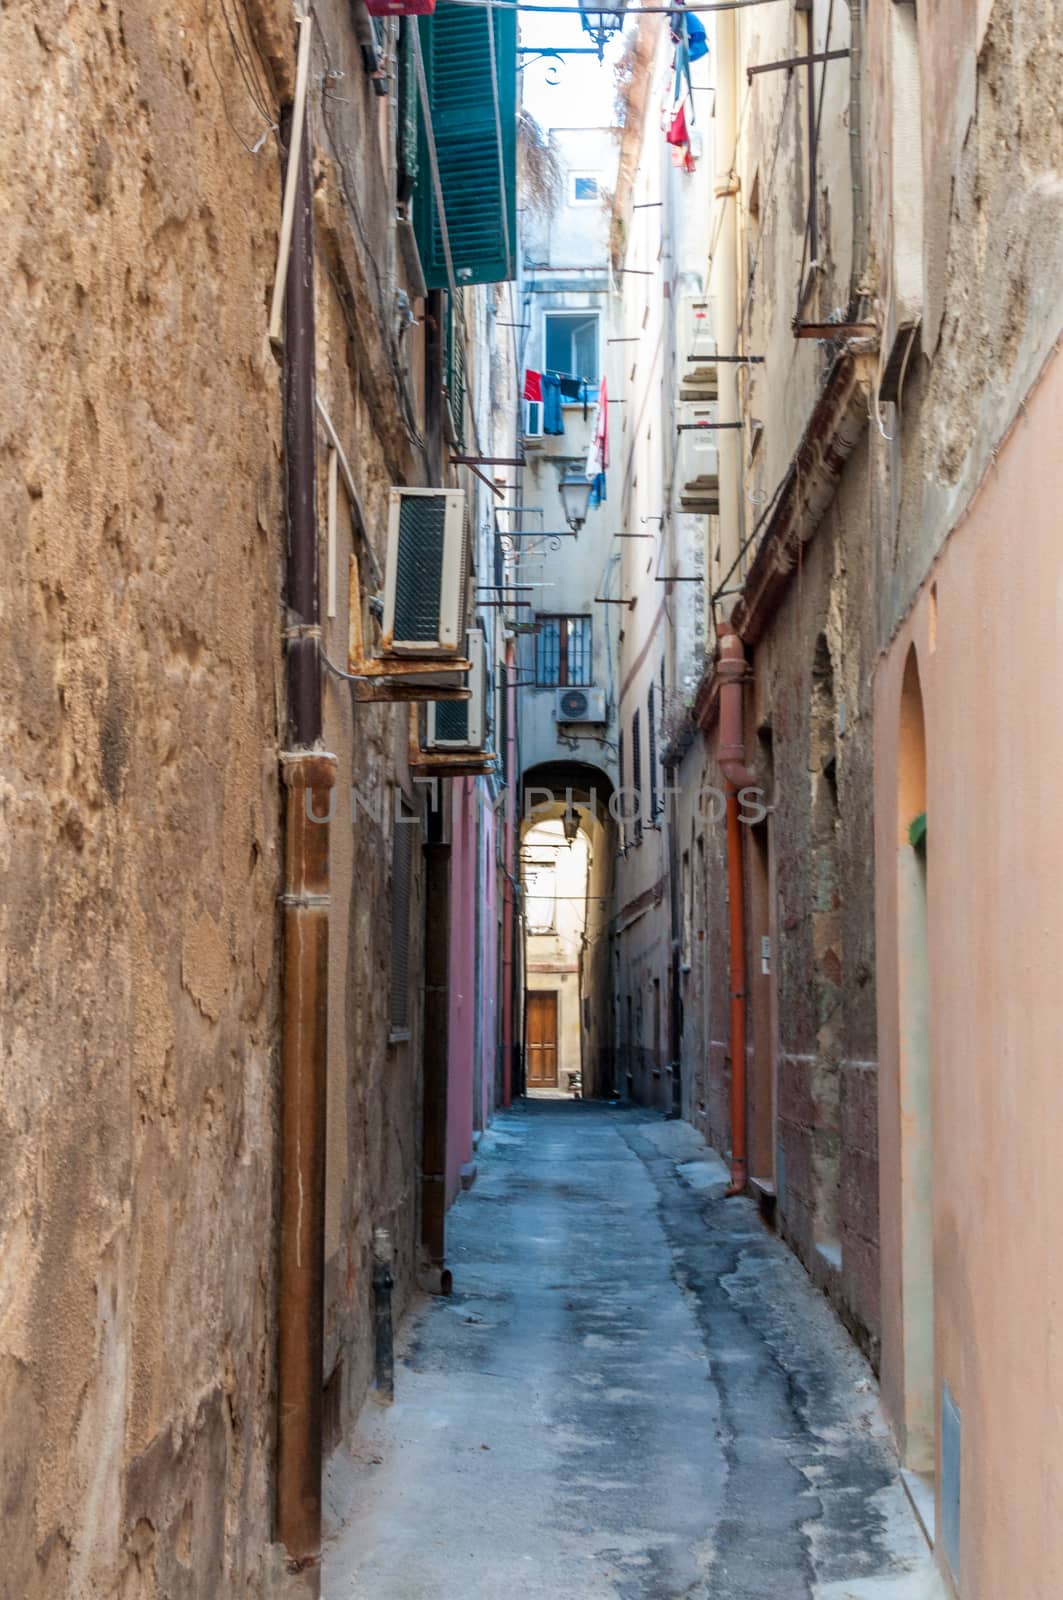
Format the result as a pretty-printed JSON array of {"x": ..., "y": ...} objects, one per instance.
[
  {"x": 360, "y": 664},
  {"x": 446, "y": 764},
  {"x": 795, "y": 61}
]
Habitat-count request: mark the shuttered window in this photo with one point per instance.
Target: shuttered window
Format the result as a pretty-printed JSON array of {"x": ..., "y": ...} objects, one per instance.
[
  {"x": 480, "y": 203},
  {"x": 455, "y": 367},
  {"x": 636, "y": 775},
  {"x": 651, "y": 736}
]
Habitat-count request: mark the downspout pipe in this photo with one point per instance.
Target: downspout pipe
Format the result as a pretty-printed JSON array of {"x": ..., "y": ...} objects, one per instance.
[
  {"x": 308, "y": 774},
  {"x": 733, "y": 673},
  {"x": 856, "y": 151}
]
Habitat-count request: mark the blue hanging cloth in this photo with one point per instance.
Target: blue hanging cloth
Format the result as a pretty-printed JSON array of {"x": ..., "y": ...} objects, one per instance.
[
  {"x": 553, "y": 422},
  {"x": 697, "y": 41}
]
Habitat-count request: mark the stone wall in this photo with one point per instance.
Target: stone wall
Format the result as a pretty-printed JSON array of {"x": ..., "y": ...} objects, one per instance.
[
  {"x": 142, "y": 474},
  {"x": 141, "y": 478}
]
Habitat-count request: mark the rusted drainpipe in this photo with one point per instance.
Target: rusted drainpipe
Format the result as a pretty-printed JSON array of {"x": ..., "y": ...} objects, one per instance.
[
  {"x": 732, "y": 671},
  {"x": 309, "y": 775}
]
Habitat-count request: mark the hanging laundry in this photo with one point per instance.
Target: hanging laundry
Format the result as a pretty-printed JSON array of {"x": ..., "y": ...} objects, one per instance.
[
  {"x": 676, "y": 122},
  {"x": 598, "y": 453},
  {"x": 677, "y": 132},
  {"x": 533, "y": 385},
  {"x": 697, "y": 42},
  {"x": 570, "y": 387},
  {"x": 553, "y": 422}
]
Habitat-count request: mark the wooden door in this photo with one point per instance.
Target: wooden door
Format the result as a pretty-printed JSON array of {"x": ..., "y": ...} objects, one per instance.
[{"x": 542, "y": 1039}]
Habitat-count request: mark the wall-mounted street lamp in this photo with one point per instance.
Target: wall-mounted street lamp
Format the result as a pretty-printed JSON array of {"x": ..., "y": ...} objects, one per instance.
[
  {"x": 602, "y": 20},
  {"x": 575, "y": 499}
]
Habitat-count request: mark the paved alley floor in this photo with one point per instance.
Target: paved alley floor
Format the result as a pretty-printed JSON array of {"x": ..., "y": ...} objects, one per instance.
[{"x": 633, "y": 1392}]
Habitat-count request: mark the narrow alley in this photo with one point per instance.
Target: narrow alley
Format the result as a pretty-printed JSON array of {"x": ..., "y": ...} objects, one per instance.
[
  {"x": 633, "y": 1391},
  {"x": 531, "y": 645}
]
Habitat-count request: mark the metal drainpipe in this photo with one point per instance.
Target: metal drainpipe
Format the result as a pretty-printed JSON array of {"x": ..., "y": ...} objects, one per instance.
[
  {"x": 732, "y": 671},
  {"x": 856, "y": 146},
  {"x": 309, "y": 775}
]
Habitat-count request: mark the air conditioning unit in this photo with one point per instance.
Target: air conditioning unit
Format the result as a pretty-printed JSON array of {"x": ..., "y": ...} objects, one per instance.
[
  {"x": 580, "y": 705},
  {"x": 699, "y": 458},
  {"x": 698, "y": 369},
  {"x": 426, "y": 573},
  {"x": 462, "y": 724},
  {"x": 533, "y": 419}
]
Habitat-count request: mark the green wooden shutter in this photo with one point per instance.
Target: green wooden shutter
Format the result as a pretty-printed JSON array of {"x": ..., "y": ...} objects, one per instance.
[{"x": 457, "y": 60}]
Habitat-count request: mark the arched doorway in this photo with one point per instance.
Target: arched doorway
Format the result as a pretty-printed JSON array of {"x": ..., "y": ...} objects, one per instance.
[
  {"x": 567, "y": 830},
  {"x": 917, "y": 1244}
]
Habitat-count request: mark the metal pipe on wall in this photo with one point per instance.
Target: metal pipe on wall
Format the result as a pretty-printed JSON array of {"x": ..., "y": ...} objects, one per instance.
[
  {"x": 308, "y": 775},
  {"x": 856, "y": 148}
]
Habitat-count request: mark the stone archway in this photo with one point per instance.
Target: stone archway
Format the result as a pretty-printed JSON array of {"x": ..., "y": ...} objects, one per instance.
[{"x": 578, "y": 795}]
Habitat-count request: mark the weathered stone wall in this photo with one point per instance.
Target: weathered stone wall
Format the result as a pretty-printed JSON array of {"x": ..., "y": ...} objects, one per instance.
[
  {"x": 368, "y": 377},
  {"x": 811, "y": 702},
  {"x": 990, "y": 247},
  {"x": 141, "y": 480}
]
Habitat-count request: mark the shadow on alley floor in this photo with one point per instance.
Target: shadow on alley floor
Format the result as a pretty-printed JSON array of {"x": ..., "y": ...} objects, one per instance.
[{"x": 633, "y": 1392}]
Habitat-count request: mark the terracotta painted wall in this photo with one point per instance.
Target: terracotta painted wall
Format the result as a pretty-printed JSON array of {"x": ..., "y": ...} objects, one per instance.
[{"x": 987, "y": 633}]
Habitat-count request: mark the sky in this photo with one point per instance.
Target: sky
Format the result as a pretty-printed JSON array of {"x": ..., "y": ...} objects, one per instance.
[{"x": 584, "y": 94}]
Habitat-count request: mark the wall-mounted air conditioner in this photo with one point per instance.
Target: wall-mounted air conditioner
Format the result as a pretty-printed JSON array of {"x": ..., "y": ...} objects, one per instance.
[
  {"x": 462, "y": 724},
  {"x": 698, "y": 370},
  {"x": 579, "y": 705},
  {"x": 699, "y": 458},
  {"x": 532, "y": 421},
  {"x": 426, "y": 573}
]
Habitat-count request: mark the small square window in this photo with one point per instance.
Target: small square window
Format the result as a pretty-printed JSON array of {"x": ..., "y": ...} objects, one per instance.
[{"x": 584, "y": 189}]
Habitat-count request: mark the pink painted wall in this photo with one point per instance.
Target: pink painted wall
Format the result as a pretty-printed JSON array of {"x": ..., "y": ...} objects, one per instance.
[
  {"x": 489, "y": 941},
  {"x": 462, "y": 1042},
  {"x": 988, "y": 635}
]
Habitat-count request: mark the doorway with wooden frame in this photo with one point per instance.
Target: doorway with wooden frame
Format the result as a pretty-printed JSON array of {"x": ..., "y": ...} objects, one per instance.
[{"x": 542, "y": 1038}]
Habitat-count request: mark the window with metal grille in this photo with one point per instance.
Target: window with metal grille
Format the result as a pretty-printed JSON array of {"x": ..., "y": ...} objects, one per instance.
[
  {"x": 636, "y": 775},
  {"x": 651, "y": 739},
  {"x": 404, "y": 840},
  {"x": 563, "y": 652}
]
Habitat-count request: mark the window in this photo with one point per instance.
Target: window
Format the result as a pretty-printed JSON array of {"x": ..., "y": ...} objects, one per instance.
[
  {"x": 620, "y": 828},
  {"x": 636, "y": 775},
  {"x": 540, "y": 892},
  {"x": 583, "y": 189},
  {"x": 651, "y": 732},
  {"x": 404, "y": 837},
  {"x": 570, "y": 345},
  {"x": 563, "y": 652}
]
